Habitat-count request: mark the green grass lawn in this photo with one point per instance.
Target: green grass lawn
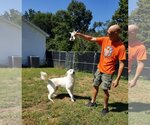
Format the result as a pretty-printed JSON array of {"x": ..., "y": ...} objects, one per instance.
[
  {"x": 139, "y": 103},
  {"x": 38, "y": 110},
  {"x": 10, "y": 96}
]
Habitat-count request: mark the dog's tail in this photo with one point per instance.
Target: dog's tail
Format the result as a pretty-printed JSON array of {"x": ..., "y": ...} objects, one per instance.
[{"x": 43, "y": 75}]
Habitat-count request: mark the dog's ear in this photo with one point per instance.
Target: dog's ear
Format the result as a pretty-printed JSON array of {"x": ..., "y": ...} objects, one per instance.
[
  {"x": 67, "y": 72},
  {"x": 43, "y": 73}
]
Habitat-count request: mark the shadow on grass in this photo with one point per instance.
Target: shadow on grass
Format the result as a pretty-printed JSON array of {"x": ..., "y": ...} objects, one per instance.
[
  {"x": 139, "y": 107},
  {"x": 61, "y": 96},
  {"x": 118, "y": 107}
]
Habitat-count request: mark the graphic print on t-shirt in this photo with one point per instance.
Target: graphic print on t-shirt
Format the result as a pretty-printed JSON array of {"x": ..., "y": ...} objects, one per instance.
[{"x": 108, "y": 51}]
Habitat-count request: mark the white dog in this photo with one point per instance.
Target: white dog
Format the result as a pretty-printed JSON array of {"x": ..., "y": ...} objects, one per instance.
[{"x": 67, "y": 82}]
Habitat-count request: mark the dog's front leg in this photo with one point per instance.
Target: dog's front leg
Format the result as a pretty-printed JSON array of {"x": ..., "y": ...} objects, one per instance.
[
  {"x": 49, "y": 97},
  {"x": 71, "y": 89},
  {"x": 70, "y": 94}
]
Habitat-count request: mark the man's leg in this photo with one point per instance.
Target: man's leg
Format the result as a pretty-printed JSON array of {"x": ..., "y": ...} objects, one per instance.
[
  {"x": 95, "y": 92},
  {"x": 96, "y": 84},
  {"x": 106, "y": 84},
  {"x": 94, "y": 95},
  {"x": 106, "y": 98},
  {"x": 95, "y": 89}
]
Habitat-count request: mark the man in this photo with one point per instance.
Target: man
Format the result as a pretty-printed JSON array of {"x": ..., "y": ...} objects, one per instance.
[
  {"x": 112, "y": 50},
  {"x": 137, "y": 52}
]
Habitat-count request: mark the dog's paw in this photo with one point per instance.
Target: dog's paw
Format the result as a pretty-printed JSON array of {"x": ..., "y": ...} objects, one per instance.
[
  {"x": 54, "y": 95},
  {"x": 73, "y": 99},
  {"x": 52, "y": 101}
]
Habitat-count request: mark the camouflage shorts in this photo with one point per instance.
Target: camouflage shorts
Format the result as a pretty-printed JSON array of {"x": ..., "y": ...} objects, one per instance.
[{"x": 104, "y": 79}]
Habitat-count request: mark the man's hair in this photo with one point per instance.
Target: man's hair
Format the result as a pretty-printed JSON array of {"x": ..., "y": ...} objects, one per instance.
[
  {"x": 134, "y": 27},
  {"x": 116, "y": 27}
]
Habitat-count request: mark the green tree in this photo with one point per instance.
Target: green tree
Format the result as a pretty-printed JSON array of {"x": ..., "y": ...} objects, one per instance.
[
  {"x": 141, "y": 17},
  {"x": 121, "y": 18},
  {"x": 80, "y": 19},
  {"x": 44, "y": 21},
  {"x": 100, "y": 28},
  {"x": 76, "y": 17},
  {"x": 80, "y": 16},
  {"x": 61, "y": 30},
  {"x": 58, "y": 25},
  {"x": 13, "y": 16},
  {"x": 29, "y": 15}
]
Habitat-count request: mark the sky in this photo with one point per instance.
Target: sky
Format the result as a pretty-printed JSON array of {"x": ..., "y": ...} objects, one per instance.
[
  {"x": 6, "y": 5},
  {"x": 132, "y": 5},
  {"x": 102, "y": 10}
]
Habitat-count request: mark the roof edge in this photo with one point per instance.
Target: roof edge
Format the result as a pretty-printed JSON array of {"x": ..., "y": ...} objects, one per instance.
[{"x": 36, "y": 27}]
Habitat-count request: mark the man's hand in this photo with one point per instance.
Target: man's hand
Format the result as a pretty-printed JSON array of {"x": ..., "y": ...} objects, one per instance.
[
  {"x": 139, "y": 69},
  {"x": 132, "y": 83},
  {"x": 121, "y": 66},
  {"x": 115, "y": 83}
]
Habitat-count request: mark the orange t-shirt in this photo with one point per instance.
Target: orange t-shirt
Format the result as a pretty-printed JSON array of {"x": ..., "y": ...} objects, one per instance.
[
  {"x": 110, "y": 54},
  {"x": 137, "y": 51}
]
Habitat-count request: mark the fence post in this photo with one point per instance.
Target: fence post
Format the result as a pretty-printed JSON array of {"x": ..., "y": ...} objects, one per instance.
[
  {"x": 59, "y": 57},
  {"x": 73, "y": 59},
  {"x": 66, "y": 60},
  {"x": 94, "y": 62}
]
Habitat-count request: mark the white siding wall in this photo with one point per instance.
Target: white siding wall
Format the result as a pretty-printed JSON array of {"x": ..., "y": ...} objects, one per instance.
[
  {"x": 33, "y": 43},
  {"x": 10, "y": 42}
]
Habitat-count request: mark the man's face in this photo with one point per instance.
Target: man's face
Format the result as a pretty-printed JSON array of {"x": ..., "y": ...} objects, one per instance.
[
  {"x": 112, "y": 34},
  {"x": 132, "y": 31}
]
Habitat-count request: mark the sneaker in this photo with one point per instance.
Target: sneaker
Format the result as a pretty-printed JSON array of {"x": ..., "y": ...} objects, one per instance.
[
  {"x": 104, "y": 111},
  {"x": 91, "y": 104}
]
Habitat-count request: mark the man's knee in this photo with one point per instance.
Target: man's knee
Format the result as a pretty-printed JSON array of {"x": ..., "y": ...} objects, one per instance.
[{"x": 106, "y": 93}]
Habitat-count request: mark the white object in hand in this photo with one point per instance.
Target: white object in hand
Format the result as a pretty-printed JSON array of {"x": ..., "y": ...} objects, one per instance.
[{"x": 72, "y": 37}]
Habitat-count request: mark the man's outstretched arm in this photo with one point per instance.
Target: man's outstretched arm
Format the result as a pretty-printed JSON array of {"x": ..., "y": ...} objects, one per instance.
[{"x": 86, "y": 37}]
